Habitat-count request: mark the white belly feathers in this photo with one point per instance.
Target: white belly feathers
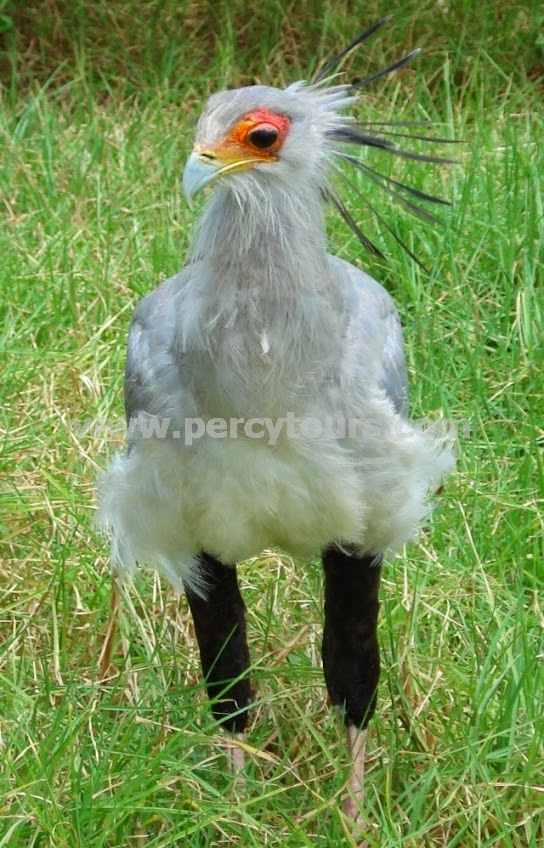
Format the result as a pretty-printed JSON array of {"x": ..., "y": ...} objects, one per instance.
[{"x": 166, "y": 501}]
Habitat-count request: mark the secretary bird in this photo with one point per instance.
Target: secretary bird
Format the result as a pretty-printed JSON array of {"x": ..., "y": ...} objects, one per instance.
[{"x": 267, "y": 397}]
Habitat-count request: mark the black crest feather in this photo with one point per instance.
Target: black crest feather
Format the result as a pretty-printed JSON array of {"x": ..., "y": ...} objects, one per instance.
[{"x": 383, "y": 135}]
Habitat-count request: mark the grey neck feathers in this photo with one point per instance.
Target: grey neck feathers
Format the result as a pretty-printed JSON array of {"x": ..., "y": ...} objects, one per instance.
[
  {"x": 264, "y": 234},
  {"x": 262, "y": 307}
]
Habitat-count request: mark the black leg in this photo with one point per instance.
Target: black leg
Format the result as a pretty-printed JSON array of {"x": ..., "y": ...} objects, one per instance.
[
  {"x": 221, "y": 634},
  {"x": 351, "y": 658}
]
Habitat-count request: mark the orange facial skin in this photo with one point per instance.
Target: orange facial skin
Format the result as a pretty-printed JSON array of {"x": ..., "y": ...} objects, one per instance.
[{"x": 237, "y": 144}]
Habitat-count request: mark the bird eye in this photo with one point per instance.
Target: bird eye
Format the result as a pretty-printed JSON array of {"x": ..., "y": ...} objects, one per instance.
[{"x": 263, "y": 137}]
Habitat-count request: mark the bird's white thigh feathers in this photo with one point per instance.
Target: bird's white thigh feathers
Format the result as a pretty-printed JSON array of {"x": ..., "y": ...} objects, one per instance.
[
  {"x": 402, "y": 465},
  {"x": 165, "y": 502},
  {"x": 140, "y": 505}
]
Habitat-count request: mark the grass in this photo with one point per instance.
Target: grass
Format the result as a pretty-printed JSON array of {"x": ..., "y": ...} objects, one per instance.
[{"x": 97, "y": 112}]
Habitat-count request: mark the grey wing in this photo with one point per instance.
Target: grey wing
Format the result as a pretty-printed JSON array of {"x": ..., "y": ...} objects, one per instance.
[
  {"x": 371, "y": 308},
  {"x": 154, "y": 368},
  {"x": 395, "y": 376}
]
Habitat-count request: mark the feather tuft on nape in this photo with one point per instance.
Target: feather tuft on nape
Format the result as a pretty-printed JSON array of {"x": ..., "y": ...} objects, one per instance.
[{"x": 382, "y": 135}]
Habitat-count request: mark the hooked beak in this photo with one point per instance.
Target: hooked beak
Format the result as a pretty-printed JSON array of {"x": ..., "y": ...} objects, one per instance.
[{"x": 204, "y": 166}]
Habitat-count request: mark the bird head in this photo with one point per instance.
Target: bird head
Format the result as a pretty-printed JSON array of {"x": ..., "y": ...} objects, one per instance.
[
  {"x": 257, "y": 136},
  {"x": 262, "y": 132}
]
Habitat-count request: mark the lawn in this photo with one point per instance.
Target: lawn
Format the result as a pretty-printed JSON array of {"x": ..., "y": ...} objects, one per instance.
[{"x": 98, "y": 106}]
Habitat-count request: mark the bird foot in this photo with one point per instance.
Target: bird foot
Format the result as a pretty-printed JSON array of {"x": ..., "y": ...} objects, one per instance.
[
  {"x": 358, "y": 823},
  {"x": 235, "y": 753},
  {"x": 353, "y": 801}
]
